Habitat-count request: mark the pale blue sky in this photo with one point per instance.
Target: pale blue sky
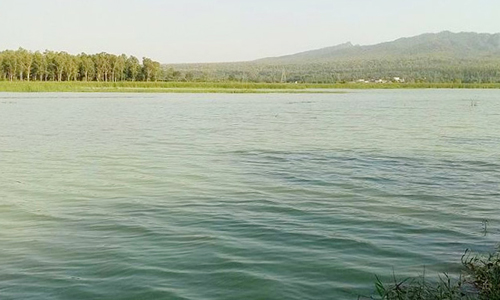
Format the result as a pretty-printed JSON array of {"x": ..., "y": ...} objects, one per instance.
[{"x": 229, "y": 30}]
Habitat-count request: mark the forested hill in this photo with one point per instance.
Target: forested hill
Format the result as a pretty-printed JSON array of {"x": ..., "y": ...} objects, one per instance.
[
  {"x": 444, "y": 45},
  {"x": 431, "y": 57},
  {"x": 442, "y": 57}
]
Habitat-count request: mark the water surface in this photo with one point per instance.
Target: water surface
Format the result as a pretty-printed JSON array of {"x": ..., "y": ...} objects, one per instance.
[{"x": 178, "y": 196}]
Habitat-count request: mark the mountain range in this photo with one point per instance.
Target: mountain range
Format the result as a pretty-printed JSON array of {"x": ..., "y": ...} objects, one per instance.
[
  {"x": 432, "y": 57},
  {"x": 463, "y": 45}
]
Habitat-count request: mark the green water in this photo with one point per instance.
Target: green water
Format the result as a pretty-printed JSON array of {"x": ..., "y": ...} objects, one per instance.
[{"x": 179, "y": 196}]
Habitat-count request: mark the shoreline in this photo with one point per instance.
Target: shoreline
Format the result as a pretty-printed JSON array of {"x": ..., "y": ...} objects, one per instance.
[{"x": 220, "y": 87}]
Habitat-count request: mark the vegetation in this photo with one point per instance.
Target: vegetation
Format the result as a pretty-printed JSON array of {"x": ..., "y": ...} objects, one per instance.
[
  {"x": 430, "y": 58},
  {"x": 480, "y": 281},
  {"x": 210, "y": 87},
  {"x": 484, "y": 274},
  {"x": 24, "y": 65},
  {"x": 412, "y": 70},
  {"x": 420, "y": 289},
  {"x": 444, "y": 60},
  {"x": 155, "y": 87}
]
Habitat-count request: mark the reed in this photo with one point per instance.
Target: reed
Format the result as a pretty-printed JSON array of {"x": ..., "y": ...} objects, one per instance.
[
  {"x": 128, "y": 86},
  {"x": 216, "y": 87},
  {"x": 480, "y": 281}
]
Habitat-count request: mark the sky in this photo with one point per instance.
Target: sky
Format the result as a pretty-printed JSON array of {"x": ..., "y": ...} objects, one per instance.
[{"x": 186, "y": 31}]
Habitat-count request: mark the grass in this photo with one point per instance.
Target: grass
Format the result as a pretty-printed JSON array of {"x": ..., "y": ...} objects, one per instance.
[
  {"x": 479, "y": 281},
  {"x": 152, "y": 87},
  {"x": 444, "y": 85},
  {"x": 484, "y": 274},
  {"x": 215, "y": 87},
  {"x": 421, "y": 289}
]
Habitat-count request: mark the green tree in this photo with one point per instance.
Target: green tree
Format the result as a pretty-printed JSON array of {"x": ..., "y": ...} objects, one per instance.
[
  {"x": 72, "y": 67},
  {"x": 59, "y": 63},
  {"x": 25, "y": 63},
  {"x": 86, "y": 67},
  {"x": 101, "y": 62},
  {"x": 50, "y": 57},
  {"x": 156, "y": 71},
  {"x": 2, "y": 73},
  {"x": 10, "y": 64},
  {"x": 132, "y": 68},
  {"x": 148, "y": 68},
  {"x": 40, "y": 66},
  {"x": 117, "y": 66}
]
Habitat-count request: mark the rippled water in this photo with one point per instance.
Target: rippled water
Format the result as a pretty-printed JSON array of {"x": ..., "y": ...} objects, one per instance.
[{"x": 136, "y": 196}]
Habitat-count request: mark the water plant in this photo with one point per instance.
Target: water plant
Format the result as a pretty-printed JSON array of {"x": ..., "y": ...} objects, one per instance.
[
  {"x": 480, "y": 280},
  {"x": 483, "y": 273}
]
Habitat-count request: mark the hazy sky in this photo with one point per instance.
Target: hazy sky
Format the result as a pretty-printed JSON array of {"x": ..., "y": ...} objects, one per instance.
[{"x": 173, "y": 31}]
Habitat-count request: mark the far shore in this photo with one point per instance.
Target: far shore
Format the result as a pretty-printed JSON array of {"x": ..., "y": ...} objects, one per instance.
[{"x": 220, "y": 87}]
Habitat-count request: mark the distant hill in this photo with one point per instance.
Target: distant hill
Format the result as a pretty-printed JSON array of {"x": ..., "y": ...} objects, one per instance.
[
  {"x": 430, "y": 57},
  {"x": 464, "y": 45}
]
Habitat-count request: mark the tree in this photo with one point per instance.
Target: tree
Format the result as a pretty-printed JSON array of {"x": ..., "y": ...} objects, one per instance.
[
  {"x": 111, "y": 65},
  {"x": 119, "y": 67},
  {"x": 10, "y": 64},
  {"x": 40, "y": 65},
  {"x": 72, "y": 64},
  {"x": 101, "y": 66},
  {"x": 51, "y": 65},
  {"x": 156, "y": 70},
  {"x": 59, "y": 62},
  {"x": 148, "y": 68},
  {"x": 25, "y": 62},
  {"x": 86, "y": 67},
  {"x": 1, "y": 64},
  {"x": 132, "y": 68}
]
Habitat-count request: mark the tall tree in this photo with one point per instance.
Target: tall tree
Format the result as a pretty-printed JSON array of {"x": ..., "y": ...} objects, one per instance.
[
  {"x": 111, "y": 66},
  {"x": 72, "y": 64},
  {"x": 86, "y": 67},
  {"x": 10, "y": 64},
  {"x": 133, "y": 67},
  {"x": 147, "y": 68},
  {"x": 60, "y": 63},
  {"x": 51, "y": 65},
  {"x": 119, "y": 67},
  {"x": 101, "y": 66},
  {"x": 156, "y": 70},
  {"x": 25, "y": 62},
  {"x": 40, "y": 64},
  {"x": 1, "y": 66}
]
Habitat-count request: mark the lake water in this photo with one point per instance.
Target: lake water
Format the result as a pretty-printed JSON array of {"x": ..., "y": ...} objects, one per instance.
[{"x": 212, "y": 196}]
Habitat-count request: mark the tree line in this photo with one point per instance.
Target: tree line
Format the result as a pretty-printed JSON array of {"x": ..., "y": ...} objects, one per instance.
[
  {"x": 26, "y": 65},
  {"x": 421, "y": 69}
]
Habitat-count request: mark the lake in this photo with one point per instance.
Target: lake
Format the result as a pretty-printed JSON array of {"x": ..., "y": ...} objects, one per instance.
[{"x": 254, "y": 196}]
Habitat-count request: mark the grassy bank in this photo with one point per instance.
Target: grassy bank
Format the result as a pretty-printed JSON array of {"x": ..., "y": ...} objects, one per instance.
[
  {"x": 480, "y": 281},
  {"x": 155, "y": 87},
  {"x": 215, "y": 87},
  {"x": 409, "y": 86}
]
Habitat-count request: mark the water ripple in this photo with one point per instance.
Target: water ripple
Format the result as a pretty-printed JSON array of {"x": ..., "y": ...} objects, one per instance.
[{"x": 258, "y": 197}]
